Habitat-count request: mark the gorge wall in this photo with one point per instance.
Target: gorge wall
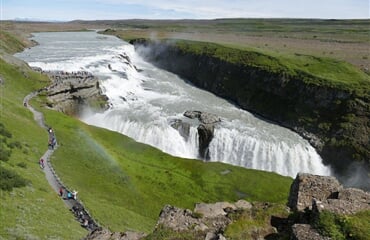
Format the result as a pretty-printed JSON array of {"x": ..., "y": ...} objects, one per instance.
[{"x": 334, "y": 120}]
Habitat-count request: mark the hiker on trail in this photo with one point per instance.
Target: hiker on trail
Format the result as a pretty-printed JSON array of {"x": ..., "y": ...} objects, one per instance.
[
  {"x": 69, "y": 195},
  {"x": 41, "y": 162},
  {"x": 61, "y": 191},
  {"x": 74, "y": 193}
]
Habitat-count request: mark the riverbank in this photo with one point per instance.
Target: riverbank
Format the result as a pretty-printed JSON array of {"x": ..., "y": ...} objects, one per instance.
[{"x": 326, "y": 106}]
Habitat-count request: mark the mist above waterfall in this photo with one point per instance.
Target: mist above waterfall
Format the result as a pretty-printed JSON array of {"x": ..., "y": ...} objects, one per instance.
[{"x": 145, "y": 101}]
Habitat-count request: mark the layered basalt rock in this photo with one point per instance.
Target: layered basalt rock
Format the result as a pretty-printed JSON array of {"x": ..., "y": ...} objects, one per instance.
[{"x": 71, "y": 92}]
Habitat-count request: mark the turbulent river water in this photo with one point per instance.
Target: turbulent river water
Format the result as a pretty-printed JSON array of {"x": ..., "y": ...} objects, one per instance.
[{"x": 145, "y": 100}]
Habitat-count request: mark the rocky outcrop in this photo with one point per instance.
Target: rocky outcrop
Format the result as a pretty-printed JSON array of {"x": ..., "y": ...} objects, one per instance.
[
  {"x": 320, "y": 193},
  {"x": 205, "y": 130},
  {"x": 208, "y": 220},
  {"x": 335, "y": 120},
  {"x": 307, "y": 187},
  {"x": 306, "y": 232},
  {"x": 311, "y": 195},
  {"x": 182, "y": 127},
  {"x": 105, "y": 234},
  {"x": 72, "y": 91}
]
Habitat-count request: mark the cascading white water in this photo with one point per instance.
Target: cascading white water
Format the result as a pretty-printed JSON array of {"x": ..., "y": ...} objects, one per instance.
[{"x": 145, "y": 101}]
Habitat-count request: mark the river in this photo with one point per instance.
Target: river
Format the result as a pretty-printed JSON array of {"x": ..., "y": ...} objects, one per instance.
[{"x": 145, "y": 100}]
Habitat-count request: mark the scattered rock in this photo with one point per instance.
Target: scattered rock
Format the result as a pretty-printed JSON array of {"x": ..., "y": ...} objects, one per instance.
[
  {"x": 305, "y": 232},
  {"x": 242, "y": 204},
  {"x": 211, "y": 210},
  {"x": 177, "y": 219},
  {"x": 105, "y": 234}
]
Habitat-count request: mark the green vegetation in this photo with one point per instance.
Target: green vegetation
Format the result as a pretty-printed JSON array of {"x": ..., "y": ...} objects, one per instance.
[
  {"x": 9, "y": 43},
  {"x": 125, "y": 184},
  {"x": 313, "y": 70},
  {"x": 257, "y": 219},
  {"x": 163, "y": 233},
  {"x": 32, "y": 210},
  {"x": 339, "y": 227}
]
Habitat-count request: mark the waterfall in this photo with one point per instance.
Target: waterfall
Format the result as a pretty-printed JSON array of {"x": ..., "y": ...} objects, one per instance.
[{"x": 145, "y": 100}]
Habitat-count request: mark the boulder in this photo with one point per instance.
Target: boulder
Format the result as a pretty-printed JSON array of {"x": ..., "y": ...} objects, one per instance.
[
  {"x": 205, "y": 130},
  {"x": 177, "y": 219},
  {"x": 211, "y": 210},
  {"x": 306, "y": 232},
  {"x": 203, "y": 117},
  {"x": 205, "y": 135},
  {"x": 105, "y": 234},
  {"x": 307, "y": 187},
  {"x": 354, "y": 195}
]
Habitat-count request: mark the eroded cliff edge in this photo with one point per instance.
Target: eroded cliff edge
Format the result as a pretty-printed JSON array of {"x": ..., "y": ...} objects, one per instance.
[{"x": 335, "y": 118}]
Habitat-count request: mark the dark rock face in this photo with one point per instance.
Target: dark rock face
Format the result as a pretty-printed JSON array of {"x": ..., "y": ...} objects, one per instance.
[
  {"x": 335, "y": 121},
  {"x": 205, "y": 130}
]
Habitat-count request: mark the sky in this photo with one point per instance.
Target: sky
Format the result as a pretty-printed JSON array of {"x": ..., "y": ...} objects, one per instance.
[{"x": 66, "y": 10}]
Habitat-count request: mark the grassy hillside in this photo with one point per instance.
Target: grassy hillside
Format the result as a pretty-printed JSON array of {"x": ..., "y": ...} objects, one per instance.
[
  {"x": 33, "y": 211},
  {"x": 9, "y": 43},
  {"x": 125, "y": 184}
]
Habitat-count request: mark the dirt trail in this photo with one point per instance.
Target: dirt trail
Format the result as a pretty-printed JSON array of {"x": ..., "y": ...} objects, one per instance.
[{"x": 74, "y": 205}]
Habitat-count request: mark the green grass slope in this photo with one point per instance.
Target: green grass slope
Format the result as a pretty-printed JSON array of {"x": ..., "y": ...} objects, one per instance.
[
  {"x": 9, "y": 43},
  {"x": 34, "y": 211},
  {"x": 125, "y": 184}
]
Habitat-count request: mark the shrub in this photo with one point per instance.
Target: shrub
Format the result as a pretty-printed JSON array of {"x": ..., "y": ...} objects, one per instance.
[
  {"x": 22, "y": 165},
  {"x": 339, "y": 227},
  {"x": 10, "y": 179}
]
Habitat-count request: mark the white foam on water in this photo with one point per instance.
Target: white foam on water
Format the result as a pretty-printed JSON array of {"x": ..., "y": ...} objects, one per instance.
[{"x": 145, "y": 100}]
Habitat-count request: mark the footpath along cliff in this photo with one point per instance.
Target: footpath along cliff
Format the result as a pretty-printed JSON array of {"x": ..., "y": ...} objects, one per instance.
[{"x": 335, "y": 118}]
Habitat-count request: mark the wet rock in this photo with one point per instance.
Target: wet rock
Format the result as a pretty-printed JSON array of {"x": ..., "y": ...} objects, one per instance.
[
  {"x": 203, "y": 117},
  {"x": 205, "y": 130},
  {"x": 205, "y": 134},
  {"x": 182, "y": 127}
]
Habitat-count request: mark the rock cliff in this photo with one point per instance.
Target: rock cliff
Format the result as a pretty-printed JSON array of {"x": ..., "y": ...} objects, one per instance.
[
  {"x": 336, "y": 121},
  {"x": 71, "y": 92}
]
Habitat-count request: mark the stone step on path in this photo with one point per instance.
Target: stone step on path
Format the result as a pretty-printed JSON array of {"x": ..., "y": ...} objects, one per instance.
[{"x": 73, "y": 205}]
